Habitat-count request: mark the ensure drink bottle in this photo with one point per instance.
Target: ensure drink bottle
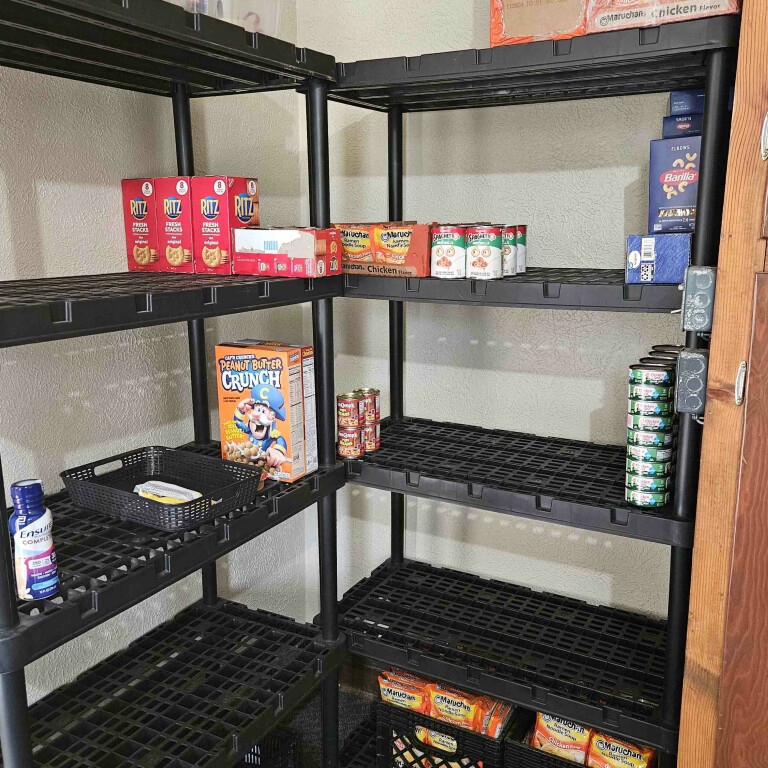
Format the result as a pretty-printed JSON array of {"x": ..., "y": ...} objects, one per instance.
[{"x": 31, "y": 525}]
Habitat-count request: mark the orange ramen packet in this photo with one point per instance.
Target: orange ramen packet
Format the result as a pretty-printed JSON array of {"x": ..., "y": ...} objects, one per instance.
[
  {"x": 465, "y": 710},
  {"x": 561, "y": 737},
  {"x": 607, "y": 752},
  {"x": 403, "y": 694}
]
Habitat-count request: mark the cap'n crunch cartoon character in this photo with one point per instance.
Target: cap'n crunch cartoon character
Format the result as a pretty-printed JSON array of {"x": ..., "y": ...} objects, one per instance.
[{"x": 256, "y": 416}]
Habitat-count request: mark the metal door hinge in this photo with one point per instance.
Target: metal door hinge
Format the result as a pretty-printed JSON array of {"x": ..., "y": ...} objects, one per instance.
[{"x": 741, "y": 381}]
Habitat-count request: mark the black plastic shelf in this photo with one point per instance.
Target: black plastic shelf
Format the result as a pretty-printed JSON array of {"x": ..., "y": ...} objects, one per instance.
[
  {"x": 631, "y": 61},
  {"x": 63, "y": 307},
  {"x": 106, "y": 565},
  {"x": 562, "y": 481},
  {"x": 592, "y": 664},
  {"x": 587, "y": 289},
  {"x": 200, "y": 690},
  {"x": 359, "y": 751},
  {"x": 146, "y": 45}
]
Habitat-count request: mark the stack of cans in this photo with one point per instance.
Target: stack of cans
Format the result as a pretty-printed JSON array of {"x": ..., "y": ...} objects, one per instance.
[
  {"x": 358, "y": 414},
  {"x": 651, "y": 427}
]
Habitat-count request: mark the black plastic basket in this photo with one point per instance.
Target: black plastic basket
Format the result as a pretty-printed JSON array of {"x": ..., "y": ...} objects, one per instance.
[
  {"x": 518, "y": 753},
  {"x": 399, "y": 746},
  {"x": 279, "y": 749},
  {"x": 107, "y": 486}
]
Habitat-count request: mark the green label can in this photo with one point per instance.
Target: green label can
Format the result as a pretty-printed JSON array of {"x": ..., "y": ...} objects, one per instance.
[
  {"x": 509, "y": 251},
  {"x": 651, "y": 392},
  {"x": 484, "y": 252},
  {"x": 651, "y": 373},
  {"x": 648, "y": 453},
  {"x": 647, "y": 499},
  {"x": 650, "y": 423},
  {"x": 649, "y": 468},
  {"x": 650, "y": 407},
  {"x": 522, "y": 248},
  {"x": 449, "y": 251},
  {"x": 652, "y": 483},
  {"x": 639, "y": 437}
]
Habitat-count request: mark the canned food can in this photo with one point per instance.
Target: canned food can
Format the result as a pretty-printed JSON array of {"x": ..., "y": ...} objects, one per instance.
[
  {"x": 649, "y": 453},
  {"x": 649, "y": 468},
  {"x": 675, "y": 349},
  {"x": 649, "y": 483},
  {"x": 372, "y": 437},
  {"x": 652, "y": 373},
  {"x": 667, "y": 357},
  {"x": 371, "y": 405},
  {"x": 646, "y": 498},
  {"x": 350, "y": 410},
  {"x": 351, "y": 444},
  {"x": 522, "y": 247},
  {"x": 649, "y": 423},
  {"x": 649, "y": 407},
  {"x": 484, "y": 252},
  {"x": 651, "y": 392},
  {"x": 509, "y": 251},
  {"x": 449, "y": 251},
  {"x": 655, "y": 439}
]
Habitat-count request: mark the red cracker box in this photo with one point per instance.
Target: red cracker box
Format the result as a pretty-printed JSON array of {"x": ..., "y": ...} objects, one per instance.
[
  {"x": 140, "y": 224},
  {"x": 220, "y": 203},
  {"x": 174, "y": 224},
  {"x": 278, "y": 252}
]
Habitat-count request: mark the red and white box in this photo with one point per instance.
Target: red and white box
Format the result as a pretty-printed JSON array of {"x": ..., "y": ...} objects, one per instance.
[
  {"x": 174, "y": 224},
  {"x": 277, "y": 252},
  {"x": 220, "y": 203},
  {"x": 140, "y": 224}
]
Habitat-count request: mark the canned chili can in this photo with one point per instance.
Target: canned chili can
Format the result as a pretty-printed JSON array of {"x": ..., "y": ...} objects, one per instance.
[
  {"x": 351, "y": 444},
  {"x": 649, "y": 423},
  {"x": 371, "y": 405},
  {"x": 372, "y": 437},
  {"x": 350, "y": 410},
  {"x": 653, "y": 439},
  {"x": 650, "y": 483},
  {"x": 484, "y": 252},
  {"x": 652, "y": 373},
  {"x": 649, "y": 453},
  {"x": 649, "y": 468},
  {"x": 649, "y": 407},
  {"x": 651, "y": 392},
  {"x": 449, "y": 251},
  {"x": 646, "y": 498},
  {"x": 509, "y": 251}
]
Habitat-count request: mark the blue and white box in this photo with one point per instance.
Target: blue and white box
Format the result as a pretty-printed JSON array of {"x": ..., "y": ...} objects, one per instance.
[
  {"x": 676, "y": 126},
  {"x": 673, "y": 184},
  {"x": 658, "y": 258},
  {"x": 686, "y": 102}
]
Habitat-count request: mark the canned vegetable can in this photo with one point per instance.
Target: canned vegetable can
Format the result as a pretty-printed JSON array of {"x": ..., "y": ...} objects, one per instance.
[
  {"x": 351, "y": 445},
  {"x": 649, "y": 423},
  {"x": 675, "y": 349},
  {"x": 350, "y": 410},
  {"x": 651, "y": 392},
  {"x": 654, "y": 439},
  {"x": 648, "y": 499},
  {"x": 650, "y": 483},
  {"x": 650, "y": 407},
  {"x": 649, "y": 453},
  {"x": 652, "y": 373},
  {"x": 649, "y": 468}
]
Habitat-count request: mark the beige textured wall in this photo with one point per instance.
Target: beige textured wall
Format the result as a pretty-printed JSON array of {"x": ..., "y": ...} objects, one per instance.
[{"x": 577, "y": 174}]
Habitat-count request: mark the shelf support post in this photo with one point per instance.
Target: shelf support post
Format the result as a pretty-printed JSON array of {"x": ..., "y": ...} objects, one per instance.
[
  {"x": 322, "y": 327},
  {"x": 396, "y": 322},
  {"x": 185, "y": 161},
  {"x": 706, "y": 245}
]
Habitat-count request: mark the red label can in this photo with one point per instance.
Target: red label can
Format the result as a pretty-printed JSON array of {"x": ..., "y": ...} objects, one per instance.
[
  {"x": 371, "y": 405},
  {"x": 351, "y": 444},
  {"x": 350, "y": 410},
  {"x": 372, "y": 437}
]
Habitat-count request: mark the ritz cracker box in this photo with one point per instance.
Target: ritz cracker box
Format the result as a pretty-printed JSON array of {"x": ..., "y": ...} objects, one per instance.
[
  {"x": 673, "y": 184},
  {"x": 261, "y": 406},
  {"x": 140, "y": 224},
  {"x": 220, "y": 203},
  {"x": 174, "y": 224}
]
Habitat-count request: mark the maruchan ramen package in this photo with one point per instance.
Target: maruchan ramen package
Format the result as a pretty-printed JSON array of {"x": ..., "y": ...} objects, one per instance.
[
  {"x": 140, "y": 224},
  {"x": 563, "y": 738},
  {"x": 402, "y": 693},
  {"x": 174, "y": 224},
  {"x": 607, "y": 15},
  {"x": 261, "y": 407},
  {"x": 356, "y": 242},
  {"x": 465, "y": 710},
  {"x": 519, "y": 21},
  {"x": 607, "y": 752}
]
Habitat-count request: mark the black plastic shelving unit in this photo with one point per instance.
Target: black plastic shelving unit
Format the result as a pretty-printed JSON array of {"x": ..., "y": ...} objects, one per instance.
[
  {"x": 204, "y": 688},
  {"x": 692, "y": 54}
]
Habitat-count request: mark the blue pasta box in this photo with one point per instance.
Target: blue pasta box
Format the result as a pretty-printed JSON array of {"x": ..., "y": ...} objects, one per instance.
[
  {"x": 658, "y": 258},
  {"x": 673, "y": 184},
  {"x": 682, "y": 125},
  {"x": 686, "y": 102}
]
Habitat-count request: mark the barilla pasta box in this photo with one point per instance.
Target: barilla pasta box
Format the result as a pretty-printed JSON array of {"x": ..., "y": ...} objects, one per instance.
[
  {"x": 562, "y": 738},
  {"x": 607, "y": 15},
  {"x": 140, "y": 224},
  {"x": 673, "y": 184},
  {"x": 174, "y": 224},
  {"x": 607, "y": 752},
  {"x": 261, "y": 407},
  {"x": 658, "y": 258},
  {"x": 278, "y": 252},
  {"x": 676, "y": 126},
  {"x": 220, "y": 203}
]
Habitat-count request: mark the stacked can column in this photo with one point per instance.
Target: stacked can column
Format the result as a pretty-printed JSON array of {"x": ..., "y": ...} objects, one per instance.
[{"x": 651, "y": 428}]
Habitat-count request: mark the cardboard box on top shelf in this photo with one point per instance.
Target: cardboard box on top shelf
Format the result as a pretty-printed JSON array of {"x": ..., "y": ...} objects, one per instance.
[
  {"x": 608, "y": 15},
  {"x": 518, "y": 21}
]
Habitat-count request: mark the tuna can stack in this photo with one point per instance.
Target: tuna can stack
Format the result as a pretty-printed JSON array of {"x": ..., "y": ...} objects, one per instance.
[{"x": 651, "y": 427}]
